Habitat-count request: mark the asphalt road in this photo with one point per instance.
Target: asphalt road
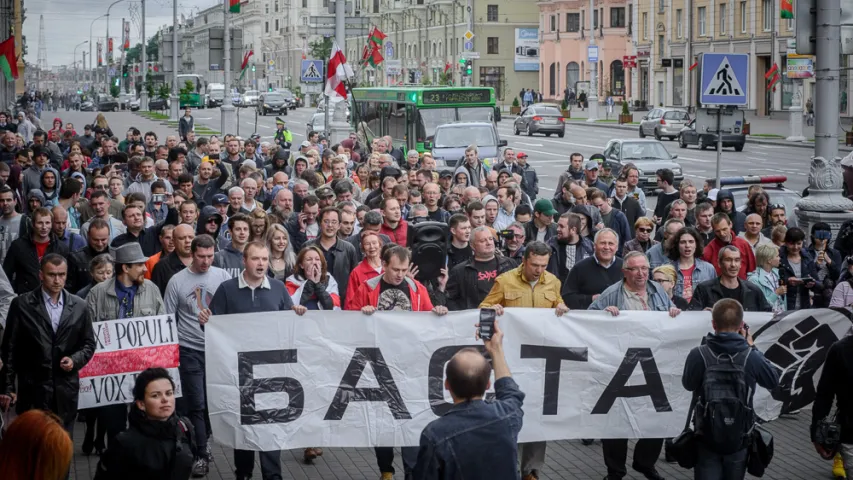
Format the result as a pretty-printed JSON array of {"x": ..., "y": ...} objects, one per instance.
[{"x": 549, "y": 155}]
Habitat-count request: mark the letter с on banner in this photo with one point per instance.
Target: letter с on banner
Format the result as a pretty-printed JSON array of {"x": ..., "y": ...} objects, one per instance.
[
  {"x": 343, "y": 379},
  {"x": 123, "y": 349}
]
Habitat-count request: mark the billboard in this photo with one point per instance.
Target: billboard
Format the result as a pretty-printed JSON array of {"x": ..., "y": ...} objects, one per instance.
[
  {"x": 800, "y": 67},
  {"x": 526, "y": 50}
]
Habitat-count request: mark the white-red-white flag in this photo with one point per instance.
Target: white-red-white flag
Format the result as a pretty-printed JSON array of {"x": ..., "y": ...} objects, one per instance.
[{"x": 338, "y": 72}]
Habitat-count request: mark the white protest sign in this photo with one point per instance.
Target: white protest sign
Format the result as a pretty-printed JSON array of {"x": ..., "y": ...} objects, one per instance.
[
  {"x": 342, "y": 379},
  {"x": 123, "y": 349}
]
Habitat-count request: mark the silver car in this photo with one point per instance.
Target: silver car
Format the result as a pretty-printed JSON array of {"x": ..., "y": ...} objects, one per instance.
[
  {"x": 540, "y": 118},
  {"x": 664, "y": 122},
  {"x": 316, "y": 124},
  {"x": 648, "y": 156}
]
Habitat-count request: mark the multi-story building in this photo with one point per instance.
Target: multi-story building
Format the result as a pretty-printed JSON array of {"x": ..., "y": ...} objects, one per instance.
[
  {"x": 427, "y": 36},
  {"x": 675, "y": 32},
  {"x": 565, "y": 35}
]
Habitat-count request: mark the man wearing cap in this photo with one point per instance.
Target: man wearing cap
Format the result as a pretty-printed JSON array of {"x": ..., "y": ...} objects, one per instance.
[
  {"x": 87, "y": 140},
  {"x": 591, "y": 176},
  {"x": 445, "y": 180},
  {"x": 283, "y": 138},
  {"x": 33, "y": 174},
  {"x": 305, "y": 146},
  {"x": 542, "y": 227},
  {"x": 530, "y": 182}
]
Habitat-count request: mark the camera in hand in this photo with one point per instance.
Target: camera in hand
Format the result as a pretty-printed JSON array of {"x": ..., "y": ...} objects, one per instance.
[
  {"x": 158, "y": 197},
  {"x": 487, "y": 323},
  {"x": 807, "y": 280},
  {"x": 506, "y": 234},
  {"x": 828, "y": 435}
]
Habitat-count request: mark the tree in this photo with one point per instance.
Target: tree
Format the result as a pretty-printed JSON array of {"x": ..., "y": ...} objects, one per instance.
[
  {"x": 320, "y": 49},
  {"x": 165, "y": 91},
  {"x": 114, "y": 90},
  {"x": 152, "y": 50},
  {"x": 133, "y": 53}
]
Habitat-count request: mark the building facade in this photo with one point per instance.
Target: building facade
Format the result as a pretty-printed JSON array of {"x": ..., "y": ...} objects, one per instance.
[
  {"x": 565, "y": 38},
  {"x": 428, "y": 38}
]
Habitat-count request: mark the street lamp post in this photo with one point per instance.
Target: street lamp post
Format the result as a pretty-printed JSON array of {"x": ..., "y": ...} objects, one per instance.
[
  {"x": 76, "y": 69},
  {"x": 107, "y": 46},
  {"x": 90, "y": 38},
  {"x": 173, "y": 109}
]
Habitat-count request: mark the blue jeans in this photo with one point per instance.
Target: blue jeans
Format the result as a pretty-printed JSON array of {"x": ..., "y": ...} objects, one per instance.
[
  {"x": 713, "y": 466},
  {"x": 193, "y": 403}
]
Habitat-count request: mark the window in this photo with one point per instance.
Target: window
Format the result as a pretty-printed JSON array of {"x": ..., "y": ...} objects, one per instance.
[
  {"x": 276, "y": 25},
  {"x": 617, "y": 78},
  {"x": 492, "y": 45},
  {"x": 743, "y": 20},
  {"x": 790, "y": 24},
  {"x": 679, "y": 25},
  {"x": 701, "y": 21},
  {"x": 276, "y": 6},
  {"x": 573, "y": 22},
  {"x": 266, "y": 27},
  {"x": 375, "y": 5},
  {"x": 617, "y": 17},
  {"x": 493, "y": 77},
  {"x": 661, "y": 5},
  {"x": 553, "y": 24},
  {"x": 492, "y": 13},
  {"x": 572, "y": 74},
  {"x": 661, "y": 46},
  {"x": 723, "y": 18},
  {"x": 645, "y": 25},
  {"x": 767, "y": 8},
  {"x": 595, "y": 19},
  {"x": 267, "y": 8}
]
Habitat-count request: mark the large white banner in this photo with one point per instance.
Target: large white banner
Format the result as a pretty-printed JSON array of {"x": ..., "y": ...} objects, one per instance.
[{"x": 342, "y": 379}]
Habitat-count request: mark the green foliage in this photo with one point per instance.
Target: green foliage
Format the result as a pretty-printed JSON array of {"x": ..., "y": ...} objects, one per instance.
[
  {"x": 320, "y": 49},
  {"x": 133, "y": 53},
  {"x": 149, "y": 88},
  {"x": 426, "y": 81},
  {"x": 188, "y": 88},
  {"x": 164, "y": 91},
  {"x": 625, "y": 108},
  {"x": 515, "y": 102},
  {"x": 565, "y": 104},
  {"x": 115, "y": 90},
  {"x": 445, "y": 78}
]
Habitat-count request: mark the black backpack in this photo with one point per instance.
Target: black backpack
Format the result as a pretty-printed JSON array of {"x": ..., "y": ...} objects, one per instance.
[
  {"x": 844, "y": 239},
  {"x": 723, "y": 417}
]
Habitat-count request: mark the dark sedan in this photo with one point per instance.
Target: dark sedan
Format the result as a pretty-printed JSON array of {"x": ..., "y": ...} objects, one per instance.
[
  {"x": 158, "y": 104},
  {"x": 107, "y": 103},
  {"x": 540, "y": 118},
  {"x": 272, "y": 102},
  {"x": 689, "y": 136}
]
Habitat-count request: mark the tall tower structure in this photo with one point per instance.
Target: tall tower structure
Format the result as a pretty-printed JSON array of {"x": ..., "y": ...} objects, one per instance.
[{"x": 42, "y": 58}]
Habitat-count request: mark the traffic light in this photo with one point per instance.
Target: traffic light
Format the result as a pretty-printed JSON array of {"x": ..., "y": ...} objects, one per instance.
[
  {"x": 117, "y": 82},
  {"x": 469, "y": 67},
  {"x": 253, "y": 68},
  {"x": 124, "y": 71},
  {"x": 806, "y": 26},
  {"x": 411, "y": 76}
]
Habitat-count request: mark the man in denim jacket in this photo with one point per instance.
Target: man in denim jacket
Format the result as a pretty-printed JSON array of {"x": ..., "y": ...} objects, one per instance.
[{"x": 475, "y": 439}]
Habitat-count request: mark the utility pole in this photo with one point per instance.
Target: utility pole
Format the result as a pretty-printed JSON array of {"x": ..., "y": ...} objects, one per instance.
[
  {"x": 825, "y": 202},
  {"x": 173, "y": 109},
  {"x": 592, "y": 96},
  {"x": 226, "y": 114},
  {"x": 143, "y": 57}
]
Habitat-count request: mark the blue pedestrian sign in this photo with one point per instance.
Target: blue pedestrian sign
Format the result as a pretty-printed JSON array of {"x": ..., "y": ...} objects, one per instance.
[
  {"x": 724, "y": 79},
  {"x": 312, "y": 71}
]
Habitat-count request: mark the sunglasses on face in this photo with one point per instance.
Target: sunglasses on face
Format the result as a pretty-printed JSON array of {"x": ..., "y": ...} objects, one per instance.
[
  {"x": 644, "y": 230},
  {"x": 822, "y": 235}
]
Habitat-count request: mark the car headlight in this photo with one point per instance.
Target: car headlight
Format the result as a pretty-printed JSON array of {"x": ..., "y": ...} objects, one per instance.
[{"x": 267, "y": 106}]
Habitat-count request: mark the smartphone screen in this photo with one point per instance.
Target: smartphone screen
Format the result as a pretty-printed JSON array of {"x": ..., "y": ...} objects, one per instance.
[{"x": 487, "y": 323}]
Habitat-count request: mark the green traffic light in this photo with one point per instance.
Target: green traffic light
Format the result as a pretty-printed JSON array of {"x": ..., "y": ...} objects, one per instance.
[
  {"x": 462, "y": 61},
  {"x": 253, "y": 68}
]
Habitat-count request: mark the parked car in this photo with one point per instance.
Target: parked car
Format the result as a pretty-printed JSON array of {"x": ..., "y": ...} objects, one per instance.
[
  {"x": 289, "y": 97},
  {"x": 540, "y": 118},
  {"x": 158, "y": 104},
  {"x": 249, "y": 98},
  {"x": 664, "y": 122},
  {"x": 87, "y": 106},
  {"x": 647, "y": 155},
  {"x": 450, "y": 140},
  {"x": 272, "y": 102},
  {"x": 134, "y": 105},
  {"x": 316, "y": 124},
  {"x": 125, "y": 99},
  {"x": 689, "y": 136},
  {"x": 773, "y": 185},
  {"x": 215, "y": 98},
  {"x": 107, "y": 103}
]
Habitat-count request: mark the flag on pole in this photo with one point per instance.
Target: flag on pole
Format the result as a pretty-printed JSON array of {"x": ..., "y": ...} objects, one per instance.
[
  {"x": 8, "y": 62},
  {"x": 773, "y": 69},
  {"x": 787, "y": 9},
  {"x": 773, "y": 81},
  {"x": 376, "y": 36},
  {"x": 447, "y": 67},
  {"x": 337, "y": 73},
  {"x": 695, "y": 64},
  {"x": 245, "y": 63},
  {"x": 371, "y": 56},
  {"x": 234, "y": 6}
]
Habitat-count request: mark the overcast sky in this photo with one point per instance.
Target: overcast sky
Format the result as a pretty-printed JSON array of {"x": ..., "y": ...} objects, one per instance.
[{"x": 67, "y": 23}]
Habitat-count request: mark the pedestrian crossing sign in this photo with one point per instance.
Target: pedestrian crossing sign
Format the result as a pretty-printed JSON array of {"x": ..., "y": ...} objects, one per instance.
[
  {"x": 312, "y": 71},
  {"x": 725, "y": 79}
]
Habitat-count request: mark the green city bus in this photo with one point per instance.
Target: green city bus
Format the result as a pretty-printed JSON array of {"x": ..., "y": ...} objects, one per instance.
[{"x": 411, "y": 114}]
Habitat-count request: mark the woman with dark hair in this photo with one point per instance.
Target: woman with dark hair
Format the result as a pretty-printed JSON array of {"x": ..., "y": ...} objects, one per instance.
[
  {"x": 36, "y": 447},
  {"x": 797, "y": 268},
  {"x": 311, "y": 285},
  {"x": 758, "y": 203},
  {"x": 827, "y": 264},
  {"x": 685, "y": 251},
  {"x": 159, "y": 443}
]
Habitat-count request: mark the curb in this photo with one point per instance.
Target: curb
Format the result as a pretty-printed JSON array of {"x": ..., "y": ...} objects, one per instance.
[{"x": 749, "y": 139}]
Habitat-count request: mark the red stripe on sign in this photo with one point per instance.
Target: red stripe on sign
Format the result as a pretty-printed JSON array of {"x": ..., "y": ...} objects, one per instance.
[{"x": 133, "y": 360}]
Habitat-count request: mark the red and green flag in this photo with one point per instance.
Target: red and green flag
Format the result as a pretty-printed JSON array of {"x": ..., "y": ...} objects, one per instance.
[
  {"x": 376, "y": 37},
  {"x": 245, "y": 64},
  {"x": 8, "y": 62},
  {"x": 787, "y": 9},
  {"x": 234, "y": 6}
]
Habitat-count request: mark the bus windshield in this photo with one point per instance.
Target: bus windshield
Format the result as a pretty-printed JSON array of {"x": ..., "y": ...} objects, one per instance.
[
  {"x": 450, "y": 136},
  {"x": 431, "y": 118}
]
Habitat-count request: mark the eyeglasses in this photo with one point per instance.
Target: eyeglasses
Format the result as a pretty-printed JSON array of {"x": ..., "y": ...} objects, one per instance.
[
  {"x": 644, "y": 230},
  {"x": 211, "y": 220},
  {"x": 636, "y": 269}
]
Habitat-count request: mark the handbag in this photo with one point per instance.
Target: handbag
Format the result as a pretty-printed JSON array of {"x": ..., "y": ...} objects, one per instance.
[
  {"x": 760, "y": 451},
  {"x": 684, "y": 447}
]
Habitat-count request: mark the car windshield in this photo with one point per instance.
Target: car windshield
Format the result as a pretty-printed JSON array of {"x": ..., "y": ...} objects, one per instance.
[
  {"x": 458, "y": 136},
  {"x": 218, "y": 94},
  {"x": 678, "y": 116},
  {"x": 432, "y": 118},
  {"x": 251, "y": 93},
  {"x": 274, "y": 97},
  {"x": 644, "y": 151},
  {"x": 785, "y": 197},
  {"x": 318, "y": 123},
  {"x": 548, "y": 111},
  {"x": 286, "y": 94}
]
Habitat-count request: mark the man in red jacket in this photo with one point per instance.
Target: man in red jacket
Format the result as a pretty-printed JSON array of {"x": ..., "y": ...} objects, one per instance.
[
  {"x": 393, "y": 224},
  {"x": 394, "y": 290},
  {"x": 723, "y": 236}
]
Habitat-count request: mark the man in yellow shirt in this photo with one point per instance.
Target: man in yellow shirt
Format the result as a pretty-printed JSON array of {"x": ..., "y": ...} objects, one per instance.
[{"x": 528, "y": 286}]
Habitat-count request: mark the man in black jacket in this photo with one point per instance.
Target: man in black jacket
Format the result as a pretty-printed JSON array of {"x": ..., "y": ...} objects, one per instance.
[
  {"x": 48, "y": 339},
  {"x": 22, "y": 262},
  {"x": 147, "y": 238},
  {"x": 728, "y": 285},
  {"x": 542, "y": 227},
  {"x": 176, "y": 261},
  {"x": 594, "y": 274},
  {"x": 627, "y": 204},
  {"x": 471, "y": 281},
  {"x": 98, "y": 241},
  {"x": 834, "y": 385}
]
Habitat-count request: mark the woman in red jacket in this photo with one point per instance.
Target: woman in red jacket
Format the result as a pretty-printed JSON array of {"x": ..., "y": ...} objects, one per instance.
[{"x": 370, "y": 267}]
